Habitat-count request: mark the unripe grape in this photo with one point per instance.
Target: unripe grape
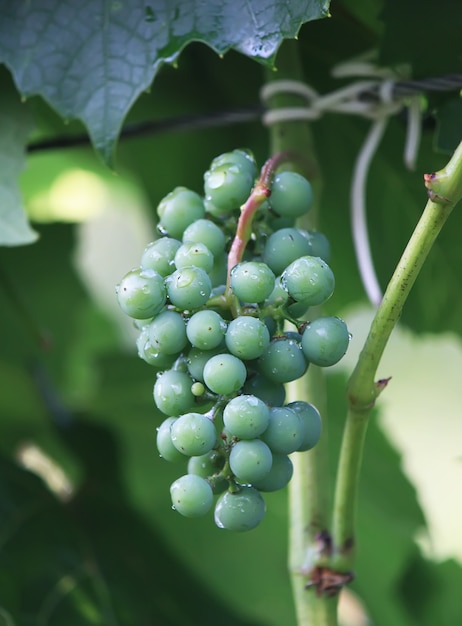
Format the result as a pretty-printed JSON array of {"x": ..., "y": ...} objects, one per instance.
[
  {"x": 240, "y": 511},
  {"x": 196, "y": 254},
  {"x": 246, "y": 416},
  {"x": 309, "y": 280},
  {"x": 252, "y": 281},
  {"x": 284, "y": 433},
  {"x": 272, "y": 393},
  {"x": 325, "y": 341},
  {"x": 283, "y": 360},
  {"x": 243, "y": 158},
  {"x": 164, "y": 441},
  {"x": 196, "y": 360},
  {"x": 227, "y": 186},
  {"x": 191, "y": 495},
  {"x": 206, "y": 465},
  {"x": 319, "y": 245},
  {"x": 141, "y": 293},
  {"x": 250, "y": 460},
  {"x": 172, "y": 393},
  {"x": 279, "y": 475},
  {"x": 224, "y": 374},
  {"x": 193, "y": 434},
  {"x": 310, "y": 424},
  {"x": 178, "y": 209},
  {"x": 247, "y": 337},
  {"x": 152, "y": 356},
  {"x": 285, "y": 246},
  {"x": 206, "y": 232},
  {"x": 167, "y": 332},
  {"x": 159, "y": 255},
  {"x": 291, "y": 194},
  {"x": 206, "y": 329},
  {"x": 188, "y": 288}
]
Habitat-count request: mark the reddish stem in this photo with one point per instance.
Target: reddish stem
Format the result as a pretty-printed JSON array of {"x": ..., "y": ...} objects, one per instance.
[{"x": 260, "y": 193}]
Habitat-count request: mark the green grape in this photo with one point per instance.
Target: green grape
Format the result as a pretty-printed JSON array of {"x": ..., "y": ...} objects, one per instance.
[
  {"x": 252, "y": 281},
  {"x": 227, "y": 186},
  {"x": 192, "y": 496},
  {"x": 167, "y": 332},
  {"x": 240, "y": 511},
  {"x": 224, "y": 374},
  {"x": 164, "y": 441},
  {"x": 206, "y": 232},
  {"x": 291, "y": 194},
  {"x": 159, "y": 255},
  {"x": 193, "y": 434},
  {"x": 219, "y": 271},
  {"x": 172, "y": 393},
  {"x": 243, "y": 158},
  {"x": 283, "y": 360},
  {"x": 284, "y": 433},
  {"x": 279, "y": 295},
  {"x": 319, "y": 245},
  {"x": 178, "y": 209},
  {"x": 198, "y": 389},
  {"x": 310, "y": 421},
  {"x": 206, "y": 329},
  {"x": 141, "y": 293},
  {"x": 197, "y": 358},
  {"x": 250, "y": 460},
  {"x": 272, "y": 393},
  {"x": 325, "y": 341},
  {"x": 246, "y": 416},
  {"x": 151, "y": 355},
  {"x": 309, "y": 280},
  {"x": 247, "y": 337},
  {"x": 207, "y": 466},
  {"x": 188, "y": 288},
  {"x": 196, "y": 254},
  {"x": 284, "y": 246},
  {"x": 279, "y": 475}
]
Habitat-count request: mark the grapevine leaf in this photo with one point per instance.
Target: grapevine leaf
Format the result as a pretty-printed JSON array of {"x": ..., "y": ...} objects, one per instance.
[
  {"x": 92, "y": 559},
  {"x": 431, "y": 591},
  {"x": 91, "y": 60},
  {"x": 15, "y": 126}
]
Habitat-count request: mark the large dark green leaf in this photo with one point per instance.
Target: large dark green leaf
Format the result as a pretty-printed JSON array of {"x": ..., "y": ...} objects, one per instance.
[
  {"x": 92, "y": 560},
  {"x": 91, "y": 60},
  {"x": 15, "y": 127},
  {"x": 431, "y": 591}
]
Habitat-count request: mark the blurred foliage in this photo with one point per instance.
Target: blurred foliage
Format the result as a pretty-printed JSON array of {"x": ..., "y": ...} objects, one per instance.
[{"x": 115, "y": 552}]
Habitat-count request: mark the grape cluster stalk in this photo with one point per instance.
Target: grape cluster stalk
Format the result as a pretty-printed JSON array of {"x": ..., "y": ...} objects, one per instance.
[{"x": 222, "y": 302}]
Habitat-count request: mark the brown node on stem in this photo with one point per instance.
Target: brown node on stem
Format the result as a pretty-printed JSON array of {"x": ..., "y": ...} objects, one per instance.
[
  {"x": 328, "y": 582},
  {"x": 429, "y": 180},
  {"x": 382, "y": 383}
]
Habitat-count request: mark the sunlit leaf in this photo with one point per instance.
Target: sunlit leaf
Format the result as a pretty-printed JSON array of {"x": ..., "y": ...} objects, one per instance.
[{"x": 91, "y": 60}]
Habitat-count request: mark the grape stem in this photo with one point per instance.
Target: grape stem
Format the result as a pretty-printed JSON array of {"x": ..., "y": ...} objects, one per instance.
[
  {"x": 260, "y": 192},
  {"x": 444, "y": 191}
]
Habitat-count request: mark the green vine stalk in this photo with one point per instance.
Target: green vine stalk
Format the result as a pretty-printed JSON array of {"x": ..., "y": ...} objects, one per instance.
[
  {"x": 444, "y": 190},
  {"x": 309, "y": 496},
  {"x": 314, "y": 552}
]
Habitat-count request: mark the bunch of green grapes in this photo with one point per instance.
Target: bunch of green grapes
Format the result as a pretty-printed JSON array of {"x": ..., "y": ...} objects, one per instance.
[{"x": 219, "y": 300}]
